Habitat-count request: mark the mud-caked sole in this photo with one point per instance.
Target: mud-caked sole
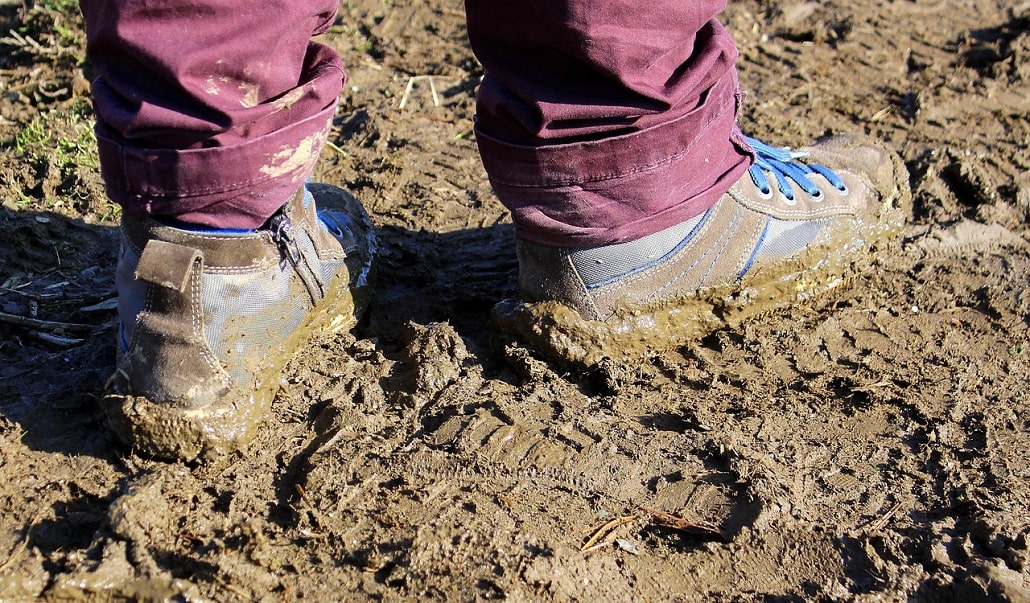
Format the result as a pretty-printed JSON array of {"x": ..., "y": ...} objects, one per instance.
[
  {"x": 173, "y": 432},
  {"x": 637, "y": 332}
]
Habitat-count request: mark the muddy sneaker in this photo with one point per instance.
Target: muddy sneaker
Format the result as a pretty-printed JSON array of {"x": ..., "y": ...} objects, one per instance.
[
  {"x": 785, "y": 232},
  {"x": 209, "y": 319}
]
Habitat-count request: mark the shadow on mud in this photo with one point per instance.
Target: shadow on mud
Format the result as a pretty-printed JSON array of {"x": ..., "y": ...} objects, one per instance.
[
  {"x": 56, "y": 294},
  {"x": 422, "y": 278},
  {"x": 428, "y": 277}
]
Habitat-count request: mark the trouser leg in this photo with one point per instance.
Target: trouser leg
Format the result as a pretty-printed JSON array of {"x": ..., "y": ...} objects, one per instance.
[
  {"x": 210, "y": 112},
  {"x": 602, "y": 121}
]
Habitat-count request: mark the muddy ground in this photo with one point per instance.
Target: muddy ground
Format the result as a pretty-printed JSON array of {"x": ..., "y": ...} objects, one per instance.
[{"x": 875, "y": 446}]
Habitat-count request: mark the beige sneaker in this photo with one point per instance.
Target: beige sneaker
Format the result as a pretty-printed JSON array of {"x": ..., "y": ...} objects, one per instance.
[
  {"x": 209, "y": 319},
  {"x": 785, "y": 232}
]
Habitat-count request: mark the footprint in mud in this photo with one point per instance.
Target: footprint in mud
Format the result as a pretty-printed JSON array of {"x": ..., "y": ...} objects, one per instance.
[
  {"x": 962, "y": 238},
  {"x": 585, "y": 455},
  {"x": 516, "y": 446}
]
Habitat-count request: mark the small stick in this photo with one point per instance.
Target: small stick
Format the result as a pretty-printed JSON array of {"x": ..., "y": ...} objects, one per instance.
[
  {"x": 881, "y": 521},
  {"x": 605, "y": 529},
  {"x": 42, "y": 325},
  {"x": 610, "y": 540},
  {"x": 16, "y": 553},
  {"x": 668, "y": 520},
  {"x": 335, "y": 147},
  {"x": 25, "y": 40},
  {"x": 432, "y": 88},
  {"x": 107, "y": 304},
  {"x": 315, "y": 515},
  {"x": 63, "y": 342},
  {"x": 303, "y": 495},
  {"x": 407, "y": 92},
  {"x": 22, "y": 544}
]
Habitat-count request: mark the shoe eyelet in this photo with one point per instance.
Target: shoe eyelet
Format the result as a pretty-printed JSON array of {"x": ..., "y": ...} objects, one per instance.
[
  {"x": 790, "y": 200},
  {"x": 818, "y": 196},
  {"x": 764, "y": 193},
  {"x": 843, "y": 189}
]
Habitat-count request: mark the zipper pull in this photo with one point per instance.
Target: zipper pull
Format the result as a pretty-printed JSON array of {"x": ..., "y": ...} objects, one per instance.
[{"x": 282, "y": 234}]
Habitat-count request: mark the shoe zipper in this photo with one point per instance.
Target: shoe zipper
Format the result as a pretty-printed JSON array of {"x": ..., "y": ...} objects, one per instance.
[{"x": 282, "y": 233}]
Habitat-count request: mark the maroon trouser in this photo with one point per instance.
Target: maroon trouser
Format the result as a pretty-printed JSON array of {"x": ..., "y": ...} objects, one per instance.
[{"x": 598, "y": 121}]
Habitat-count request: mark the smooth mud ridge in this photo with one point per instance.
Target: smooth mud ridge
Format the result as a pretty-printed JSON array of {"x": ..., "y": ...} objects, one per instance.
[{"x": 868, "y": 443}]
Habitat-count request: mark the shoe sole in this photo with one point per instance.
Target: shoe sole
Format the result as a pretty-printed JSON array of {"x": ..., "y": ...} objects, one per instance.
[
  {"x": 634, "y": 333},
  {"x": 168, "y": 432}
]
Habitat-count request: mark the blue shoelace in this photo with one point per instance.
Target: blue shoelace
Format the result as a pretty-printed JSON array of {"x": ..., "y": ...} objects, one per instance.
[
  {"x": 784, "y": 167},
  {"x": 339, "y": 225}
]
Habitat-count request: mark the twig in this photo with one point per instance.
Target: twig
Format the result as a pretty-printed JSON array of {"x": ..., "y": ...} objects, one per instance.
[
  {"x": 20, "y": 40},
  {"x": 57, "y": 340},
  {"x": 312, "y": 509},
  {"x": 22, "y": 544},
  {"x": 107, "y": 304},
  {"x": 608, "y": 541},
  {"x": 335, "y": 147},
  {"x": 411, "y": 86},
  {"x": 432, "y": 89},
  {"x": 407, "y": 92},
  {"x": 18, "y": 550},
  {"x": 668, "y": 520},
  {"x": 42, "y": 325},
  {"x": 881, "y": 521},
  {"x": 606, "y": 529}
]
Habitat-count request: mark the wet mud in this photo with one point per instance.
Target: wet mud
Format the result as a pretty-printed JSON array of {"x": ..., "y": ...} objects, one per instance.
[{"x": 872, "y": 446}]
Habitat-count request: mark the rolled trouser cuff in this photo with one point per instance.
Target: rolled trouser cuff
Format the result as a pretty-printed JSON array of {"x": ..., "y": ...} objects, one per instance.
[
  {"x": 621, "y": 188},
  {"x": 236, "y": 186}
]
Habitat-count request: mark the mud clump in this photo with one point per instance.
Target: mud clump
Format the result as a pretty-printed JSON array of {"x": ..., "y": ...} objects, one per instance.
[{"x": 436, "y": 355}]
